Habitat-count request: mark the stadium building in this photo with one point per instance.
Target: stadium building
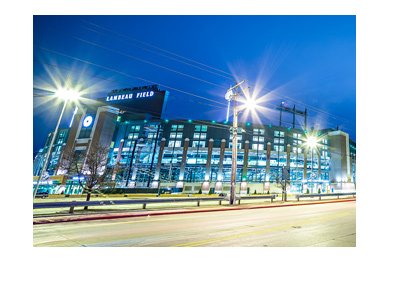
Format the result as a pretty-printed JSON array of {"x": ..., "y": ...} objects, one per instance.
[{"x": 192, "y": 155}]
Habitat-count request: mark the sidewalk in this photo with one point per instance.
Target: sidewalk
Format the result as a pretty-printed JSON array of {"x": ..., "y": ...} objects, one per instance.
[{"x": 102, "y": 215}]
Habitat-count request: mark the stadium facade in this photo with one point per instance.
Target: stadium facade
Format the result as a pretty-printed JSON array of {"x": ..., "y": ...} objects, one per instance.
[{"x": 192, "y": 155}]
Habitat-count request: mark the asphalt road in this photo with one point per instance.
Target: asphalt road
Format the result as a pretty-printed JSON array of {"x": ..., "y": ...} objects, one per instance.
[{"x": 332, "y": 224}]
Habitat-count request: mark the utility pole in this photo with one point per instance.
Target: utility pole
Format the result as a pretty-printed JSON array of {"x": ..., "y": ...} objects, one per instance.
[{"x": 230, "y": 95}]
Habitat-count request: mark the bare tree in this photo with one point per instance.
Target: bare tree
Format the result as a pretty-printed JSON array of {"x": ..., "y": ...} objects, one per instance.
[
  {"x": 283, "y": 183},
  {"x": 90, "y": 167}
]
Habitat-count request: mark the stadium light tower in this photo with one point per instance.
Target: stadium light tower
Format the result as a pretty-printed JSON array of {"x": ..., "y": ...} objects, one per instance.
[{"x": 67, "y": 95}]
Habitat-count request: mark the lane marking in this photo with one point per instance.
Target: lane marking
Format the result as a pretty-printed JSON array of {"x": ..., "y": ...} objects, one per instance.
[{"x": 264, "y": 230}]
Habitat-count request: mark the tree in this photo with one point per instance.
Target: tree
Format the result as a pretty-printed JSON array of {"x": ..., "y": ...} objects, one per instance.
[
  {"x": 90, "y": 167},
  {"x": 283, "y": 184}
]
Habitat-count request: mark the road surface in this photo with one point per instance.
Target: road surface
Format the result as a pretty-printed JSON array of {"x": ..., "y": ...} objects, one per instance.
[{"x": 332, "y": 224}]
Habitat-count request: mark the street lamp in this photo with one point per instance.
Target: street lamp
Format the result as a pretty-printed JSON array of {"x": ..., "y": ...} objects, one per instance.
[
  {"x": 233, "y": 95},
  {"x": 66, "y": 95}
]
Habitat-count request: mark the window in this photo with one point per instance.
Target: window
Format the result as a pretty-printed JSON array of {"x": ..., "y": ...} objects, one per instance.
[
  {"x": 279, "y": 133},
  {"x": 297, "y": 150},
  {"x": 176, "y": 127},
  {"x": 297, "y": 135},
  {"x": 257, "y": 147},
  {"x": 200, "y": 128},
  {"x": 174, "y": 144},
  {"x": 279, "y": 141},
  {"x": 258, "y": 131},
  {"x": 297, "y": 142},
  {"x": 200, "y": 144},
  {"x": 258, "y": 138},
  {"x": 278, "y": 148},
  {"x": 177, "y": 135},
  {"x": 135, "y": 128},
  {"x": 200, "y": 134}
]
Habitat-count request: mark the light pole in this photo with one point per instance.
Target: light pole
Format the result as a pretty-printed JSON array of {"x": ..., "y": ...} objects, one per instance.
[
  {"x": 67, "y": 95},
  {"x": 230, "y": 95}
]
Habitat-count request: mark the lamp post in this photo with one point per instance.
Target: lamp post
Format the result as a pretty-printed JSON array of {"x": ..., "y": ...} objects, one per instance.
[
  {"x": 67, "y": 95},
  {"x": 232, "y": 95}
]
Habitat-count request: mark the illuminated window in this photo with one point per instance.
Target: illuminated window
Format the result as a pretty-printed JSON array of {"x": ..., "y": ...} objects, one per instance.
[
  {"x": 135, "y": 128},
  {"x": 258, "y": 131},
  {"x": 257, "y": 147},
  {"x": 174, "y": 144},
  {"x": 200, "y": 144},
  {"x": 297, "y": 135}
]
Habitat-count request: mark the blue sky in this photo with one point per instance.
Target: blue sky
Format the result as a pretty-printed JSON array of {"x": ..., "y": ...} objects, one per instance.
[{"x": 309, "y": 61}]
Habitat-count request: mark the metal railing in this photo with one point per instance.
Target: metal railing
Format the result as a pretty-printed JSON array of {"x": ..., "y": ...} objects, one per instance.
[
  {"x": 72, "y": 204},
  {"x": 325, "y": 195}
]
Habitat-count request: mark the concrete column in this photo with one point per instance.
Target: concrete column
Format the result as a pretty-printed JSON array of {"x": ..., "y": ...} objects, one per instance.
[
  {"x": 156, "y": 181},
  {"x": 288, "y": 156},
  {"x": 183, "y": 164},
  {"x": 268, "y": 163},
  {"x": 205, "y": 186},
  {"x": 245, "y": 160},
  {"x": 287, "y": 167},
  {"x": 319, "y": 165},
  {"x": 243, "y": 184},
  {"x": 221, "y": 160},
  {"x": 305, "y": 170},
  {"x": 115, "y": 168},
  {"x": 267, "y": 168},
  {"x": 209, "y": 155}
]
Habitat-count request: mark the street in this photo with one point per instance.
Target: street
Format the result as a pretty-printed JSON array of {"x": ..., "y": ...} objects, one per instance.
[{"x": 331, "y": 224}]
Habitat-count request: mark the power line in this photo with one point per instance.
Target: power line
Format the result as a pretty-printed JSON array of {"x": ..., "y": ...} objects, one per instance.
[
  {"x": 107, "y": 79},
  {"x": 147, "y": 62},
  {"x": 163, "y": 50},
  {"x": 128, "y": 75},
  {"x": 163, "y": 55},
  {"x": 208, "y": 66},
  {"x": 56, "y": 66}
]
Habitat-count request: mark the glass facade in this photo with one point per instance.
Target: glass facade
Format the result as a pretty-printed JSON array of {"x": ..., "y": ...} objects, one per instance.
[{"x": 136, "y": 148}]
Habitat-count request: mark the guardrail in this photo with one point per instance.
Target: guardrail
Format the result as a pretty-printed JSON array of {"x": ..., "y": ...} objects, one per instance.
[
  {"x": 72, "y": 204},
  {"x": 270, "y": 197},
  {"x": 324, "y": 195}
]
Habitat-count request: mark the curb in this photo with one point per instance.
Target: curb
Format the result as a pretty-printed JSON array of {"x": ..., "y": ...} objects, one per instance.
[{"x": 157, "y": 213}]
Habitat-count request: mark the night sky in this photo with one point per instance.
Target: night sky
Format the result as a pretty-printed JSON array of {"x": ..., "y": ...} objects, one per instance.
[{"x": 309, "y": 61}]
